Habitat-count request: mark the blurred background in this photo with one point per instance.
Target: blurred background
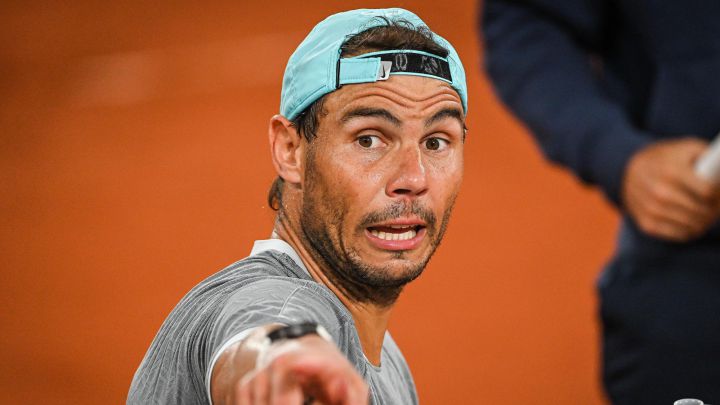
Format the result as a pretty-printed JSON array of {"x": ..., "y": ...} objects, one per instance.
[{"x": 134, "y": 163}]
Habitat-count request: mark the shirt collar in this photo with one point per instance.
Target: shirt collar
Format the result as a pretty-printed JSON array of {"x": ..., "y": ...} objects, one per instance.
[{"x": 278, "y": 245}]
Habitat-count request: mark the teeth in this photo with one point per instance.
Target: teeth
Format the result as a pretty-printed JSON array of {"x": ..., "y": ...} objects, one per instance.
[{"x": 411, "y": 233}]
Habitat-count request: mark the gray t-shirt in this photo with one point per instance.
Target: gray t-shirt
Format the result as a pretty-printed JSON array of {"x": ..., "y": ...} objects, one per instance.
[{"x": 270, "y": 286}]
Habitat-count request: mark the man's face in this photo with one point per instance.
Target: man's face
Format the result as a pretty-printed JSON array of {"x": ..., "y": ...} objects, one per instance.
[{"x": 380, "y": 181}]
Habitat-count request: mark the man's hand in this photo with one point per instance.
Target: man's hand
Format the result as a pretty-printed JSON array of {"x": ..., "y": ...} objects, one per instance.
[
  {"x": 289, "y": 372},
  {"x": 663, "y": 194}
]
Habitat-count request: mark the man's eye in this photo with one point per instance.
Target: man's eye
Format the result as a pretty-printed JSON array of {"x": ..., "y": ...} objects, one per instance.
[
  {"x": 436, "y": 143},
  {"x": 369, "y": 141}
]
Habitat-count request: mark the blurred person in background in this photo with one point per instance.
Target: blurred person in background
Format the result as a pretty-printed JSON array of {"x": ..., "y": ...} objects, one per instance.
[
  {"x": 626, "y": 94},
  {"x": 369, "y": 153}
]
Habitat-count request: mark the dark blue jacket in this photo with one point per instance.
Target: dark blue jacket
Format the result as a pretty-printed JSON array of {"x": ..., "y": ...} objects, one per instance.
[{"x": 597, "y": 80}]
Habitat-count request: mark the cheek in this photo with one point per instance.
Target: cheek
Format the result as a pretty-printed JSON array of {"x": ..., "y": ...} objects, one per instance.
[
  {"x": 445, "y": 179},
  {"x": 356, "y": 177},
  {"x": 336, "y": 188},
  {"x": 446, "y": 170}
]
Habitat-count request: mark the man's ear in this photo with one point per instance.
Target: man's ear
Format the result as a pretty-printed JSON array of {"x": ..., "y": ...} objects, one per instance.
[{"x": 287, "y": 149}]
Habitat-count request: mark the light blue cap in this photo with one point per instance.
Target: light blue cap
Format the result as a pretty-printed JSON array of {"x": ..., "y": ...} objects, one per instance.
[{"x": 312, "y": 70}]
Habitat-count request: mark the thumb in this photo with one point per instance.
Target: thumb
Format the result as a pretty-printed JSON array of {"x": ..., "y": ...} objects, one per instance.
[
  {"x": 685, "y": 154},
  {"x": 693, "y": 148}
]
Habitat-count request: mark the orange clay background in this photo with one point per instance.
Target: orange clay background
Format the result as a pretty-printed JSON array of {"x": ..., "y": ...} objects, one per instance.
[{"x": 134, "y": 163}]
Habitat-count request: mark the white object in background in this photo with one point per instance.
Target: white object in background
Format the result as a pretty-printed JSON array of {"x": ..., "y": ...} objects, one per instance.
[
  {"x": 688, "y": 401},
  {"x": 708, "y": 166}
]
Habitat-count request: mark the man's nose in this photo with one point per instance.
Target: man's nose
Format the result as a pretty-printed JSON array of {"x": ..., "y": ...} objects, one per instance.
[{"x": 409, "y": 177}]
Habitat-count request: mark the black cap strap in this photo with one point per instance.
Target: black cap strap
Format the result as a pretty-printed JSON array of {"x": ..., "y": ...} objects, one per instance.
[{"x": 415, "y": 63}]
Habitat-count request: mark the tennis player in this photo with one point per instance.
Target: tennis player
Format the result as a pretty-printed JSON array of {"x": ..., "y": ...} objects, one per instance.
[{"x": 368, "y": 149}]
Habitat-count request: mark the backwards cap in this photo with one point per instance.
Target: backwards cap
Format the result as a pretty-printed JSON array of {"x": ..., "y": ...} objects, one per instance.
[{"x": 316, "y": 69}]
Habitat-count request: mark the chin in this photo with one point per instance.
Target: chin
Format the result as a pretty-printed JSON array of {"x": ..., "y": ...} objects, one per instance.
[{"x": 393, "y": 271}]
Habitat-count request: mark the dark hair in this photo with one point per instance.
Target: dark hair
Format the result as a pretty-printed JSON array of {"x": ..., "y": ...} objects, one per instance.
[{"x": 393, "y": 34}]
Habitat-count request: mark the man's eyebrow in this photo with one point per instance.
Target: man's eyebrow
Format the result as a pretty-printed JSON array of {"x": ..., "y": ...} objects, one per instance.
[
  {"x": 446, "y": 113},
  {"x": 371, "y": 112}
]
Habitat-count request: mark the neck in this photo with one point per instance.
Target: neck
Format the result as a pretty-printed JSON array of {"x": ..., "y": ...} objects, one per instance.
[{"x": 370, "y": 320}]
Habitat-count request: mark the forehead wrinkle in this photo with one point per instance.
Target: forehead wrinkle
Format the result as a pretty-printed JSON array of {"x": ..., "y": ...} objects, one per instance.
[
  {"x": 443, "y": 98},
  {"x": 399, "y": 97},
  {"x": 405, "y": 92}
]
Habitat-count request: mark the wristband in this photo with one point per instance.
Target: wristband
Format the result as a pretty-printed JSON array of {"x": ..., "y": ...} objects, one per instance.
[
  {"x": 298, "y": 331},
  {"x": 288, "y": 333}
]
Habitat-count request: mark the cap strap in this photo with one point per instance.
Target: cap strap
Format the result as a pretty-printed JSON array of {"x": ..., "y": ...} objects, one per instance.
[{"x": 375, "y": 66}]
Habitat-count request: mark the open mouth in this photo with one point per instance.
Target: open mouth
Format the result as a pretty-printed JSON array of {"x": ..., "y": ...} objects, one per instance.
[{"x": 395, "y": 232}]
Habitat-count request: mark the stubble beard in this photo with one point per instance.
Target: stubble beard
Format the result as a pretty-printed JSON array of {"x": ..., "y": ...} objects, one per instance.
[{"x": 322, "y": 225}]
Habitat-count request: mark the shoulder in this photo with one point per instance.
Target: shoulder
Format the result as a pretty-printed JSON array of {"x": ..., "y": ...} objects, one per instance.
[
  {"x": 277, "y": 299},
  {"x": 269, "y": 264}
]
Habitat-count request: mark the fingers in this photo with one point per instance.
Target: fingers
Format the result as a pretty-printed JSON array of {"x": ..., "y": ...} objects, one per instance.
[
  {"x": 269, "y": 386},
  {"x": 282, "y": 386},
  {"x": 337, "y": 384},
  {"x": 253, "y": 389},
  {"x": 665, "y": 197},
  {"x": 243, "y": 391},
  {"x": 285, "y": 389},
  {"x": 300, "y": 371},
  {"x": 674, "y": 202},
  {"x": 688, "y": 152},
  {"x": 260, "y": 388},
  {"x": 668, "y": 228},
  {"x": 700, "y": 190},
  {"x": 673, "y": 215}
]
